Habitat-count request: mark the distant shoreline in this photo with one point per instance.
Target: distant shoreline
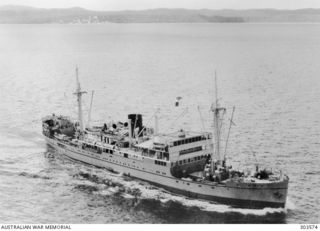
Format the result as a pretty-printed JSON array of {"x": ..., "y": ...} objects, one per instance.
[
  {"x": 171, "y": 23},
  {"x": 28, "y": 15}
]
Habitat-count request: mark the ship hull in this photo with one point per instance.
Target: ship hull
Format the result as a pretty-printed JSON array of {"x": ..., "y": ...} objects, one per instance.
[
  {"x": 241, "y": 203},
  {"x": 241, "y": 195}
]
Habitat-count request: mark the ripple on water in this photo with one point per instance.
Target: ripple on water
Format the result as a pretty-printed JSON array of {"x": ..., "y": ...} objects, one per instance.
[{"x": 145, "y": 67}]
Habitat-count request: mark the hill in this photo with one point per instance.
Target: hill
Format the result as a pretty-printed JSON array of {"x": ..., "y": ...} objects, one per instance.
[{"x": 29, "y": 15}]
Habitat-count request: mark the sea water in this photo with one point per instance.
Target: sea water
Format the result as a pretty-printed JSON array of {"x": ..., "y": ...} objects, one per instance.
[{"x": 269, "y": 72}]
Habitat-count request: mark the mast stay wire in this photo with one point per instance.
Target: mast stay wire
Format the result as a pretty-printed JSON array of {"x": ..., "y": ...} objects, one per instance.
[
  {"x": 231, "y": 123},
  {"x": 69, "y": 106},
  {"x": 149, "y": 120},
  {"x": 183, "y": 113}
]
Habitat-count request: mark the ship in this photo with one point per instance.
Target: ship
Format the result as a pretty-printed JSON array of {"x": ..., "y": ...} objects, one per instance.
[{"x": 188, "y": 163}]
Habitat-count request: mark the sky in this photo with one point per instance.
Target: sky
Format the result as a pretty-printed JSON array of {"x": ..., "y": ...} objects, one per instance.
[{"x": 149, "y": 4}]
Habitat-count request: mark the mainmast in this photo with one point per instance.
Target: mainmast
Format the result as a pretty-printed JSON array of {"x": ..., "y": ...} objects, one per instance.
[
  {"x": 217, "y": 120},
  {"x": 79, "y": 93}
]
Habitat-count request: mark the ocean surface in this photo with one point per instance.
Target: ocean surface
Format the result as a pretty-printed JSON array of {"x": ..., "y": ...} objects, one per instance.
[{"x": 269, "y": 72}]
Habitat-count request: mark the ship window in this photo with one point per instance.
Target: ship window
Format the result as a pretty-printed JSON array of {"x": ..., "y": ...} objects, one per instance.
[
  {"x": 179, "y": 142},
  {"x": 111, "y": 151},
  {"x": 175, "y": 143},
  {"x": 184, "y": 161},
  {"x": 200, "y": 185},
  {"x": 189, "y": 160},
  {"x": 190, "y": 150},
  {"x": 180, "y": 162},
  {"x": 125, "y": 155}
]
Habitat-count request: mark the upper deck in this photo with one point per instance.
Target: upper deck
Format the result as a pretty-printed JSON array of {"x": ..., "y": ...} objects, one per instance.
[{"x": 174, "y": 145}]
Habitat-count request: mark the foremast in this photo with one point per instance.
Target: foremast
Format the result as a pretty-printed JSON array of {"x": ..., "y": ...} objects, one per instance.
[
  {"x": 218, "y": 113},
  {"x": 79, "y": 94}
]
